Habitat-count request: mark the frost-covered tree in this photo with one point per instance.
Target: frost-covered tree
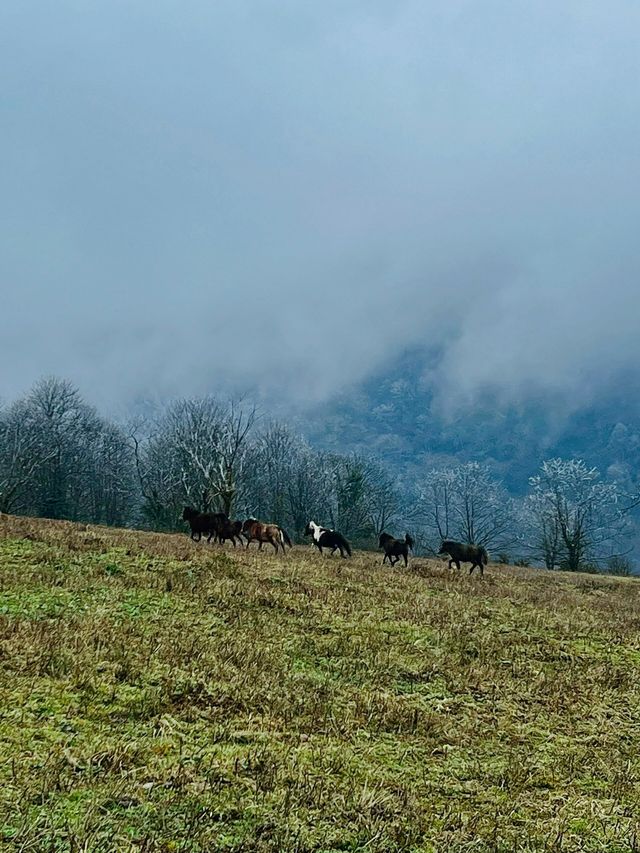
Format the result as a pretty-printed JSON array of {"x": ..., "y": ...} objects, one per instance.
[
  {"x": 578, "y": 518},
  {"x": 468, "y": 504}
]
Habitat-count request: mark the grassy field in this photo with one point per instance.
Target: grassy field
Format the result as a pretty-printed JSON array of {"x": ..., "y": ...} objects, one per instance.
[{"x": 162, "y": 695}]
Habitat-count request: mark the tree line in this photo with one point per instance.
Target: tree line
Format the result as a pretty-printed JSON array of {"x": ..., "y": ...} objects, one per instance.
[{"x": 59, "y": 458}]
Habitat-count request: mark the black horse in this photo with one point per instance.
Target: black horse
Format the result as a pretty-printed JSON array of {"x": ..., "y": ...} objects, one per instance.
[
  {"x": 394, "y": 549},
  {"x": 203, "y": 522},
  {"x": 230, "y": 530},
  {"x": 459, "y": 552}
]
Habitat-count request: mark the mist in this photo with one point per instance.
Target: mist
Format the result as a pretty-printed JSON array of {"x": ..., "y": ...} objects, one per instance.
[{"x": 286, "y": 196}]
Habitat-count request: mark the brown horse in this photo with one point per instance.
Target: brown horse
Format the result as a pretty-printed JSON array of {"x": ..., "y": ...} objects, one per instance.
[{"x": 254, "y": 529}]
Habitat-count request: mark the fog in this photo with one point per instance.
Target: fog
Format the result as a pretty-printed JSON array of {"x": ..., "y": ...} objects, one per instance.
[{"x": 284, "y": 196}]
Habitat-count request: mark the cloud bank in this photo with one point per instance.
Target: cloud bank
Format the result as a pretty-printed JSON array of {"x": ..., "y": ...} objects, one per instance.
[{"x": 286, "y": 195}]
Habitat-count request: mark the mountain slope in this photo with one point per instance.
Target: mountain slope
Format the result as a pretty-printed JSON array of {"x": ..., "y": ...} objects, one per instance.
[
  {"x": 159, "y": 694},
  {"x": 393, "y": 415}
]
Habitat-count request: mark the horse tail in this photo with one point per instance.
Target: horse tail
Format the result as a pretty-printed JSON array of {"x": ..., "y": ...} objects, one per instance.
[
  {"x": 484, "y": 557},
  {"x": 286, "y": 538},
  {"x": 408, "y": 541},
  {"x": 343, "y": 542}
]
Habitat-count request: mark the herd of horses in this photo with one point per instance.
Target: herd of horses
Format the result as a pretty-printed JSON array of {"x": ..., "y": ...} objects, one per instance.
[{"x": 217, "y": 526}]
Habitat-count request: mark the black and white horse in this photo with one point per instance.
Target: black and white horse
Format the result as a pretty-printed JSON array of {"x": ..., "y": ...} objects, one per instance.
[{"x": 324, "y": 537}]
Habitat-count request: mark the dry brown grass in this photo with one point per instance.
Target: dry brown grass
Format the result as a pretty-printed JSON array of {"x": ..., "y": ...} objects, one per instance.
[{"x": 162, "y": 695}]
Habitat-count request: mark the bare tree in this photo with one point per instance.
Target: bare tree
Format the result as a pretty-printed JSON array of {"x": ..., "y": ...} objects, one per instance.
[
  {"x": 584, "y": 518},
  {"x": 352, "y": 511},
  {"x": 270, "y": 466},
  {"x": 542, "y": 530},
  {"x": 384, "y": 504},
  {"x": 66, "y": 427},
  {"x": 22, "y": 452},
  {"x": 112, "y": 487},
  {"x": 287, "y": 481},
  {"x": 159, "y": 477},
  {"x": 195, "y": 454},
  {"x": 309, "y": 488},
  {"x": 232, "y": 451},
  {"x": 467, "y": 503}
]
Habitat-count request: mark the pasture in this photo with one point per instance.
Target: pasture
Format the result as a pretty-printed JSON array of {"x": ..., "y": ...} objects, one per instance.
[{"x": 158, "y": 694}]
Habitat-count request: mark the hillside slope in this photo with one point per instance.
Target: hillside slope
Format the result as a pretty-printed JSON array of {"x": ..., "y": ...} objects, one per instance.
[{"x": 162, "y": 695}]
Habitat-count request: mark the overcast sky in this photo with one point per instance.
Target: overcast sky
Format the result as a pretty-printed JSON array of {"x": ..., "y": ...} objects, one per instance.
[{"x": 287, "y": 194}]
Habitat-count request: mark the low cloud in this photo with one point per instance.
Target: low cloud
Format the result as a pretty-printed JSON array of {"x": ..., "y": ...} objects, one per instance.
[{"x": 286, "y": 196}]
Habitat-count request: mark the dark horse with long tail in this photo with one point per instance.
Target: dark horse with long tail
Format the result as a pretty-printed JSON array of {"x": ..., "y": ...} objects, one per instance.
[
  {"x": 394, "y": 549},
  {"x": 459, "y": 552}
]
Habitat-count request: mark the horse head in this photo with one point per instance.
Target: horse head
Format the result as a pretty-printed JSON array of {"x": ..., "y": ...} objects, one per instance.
[{"x": 384, "y": 538}]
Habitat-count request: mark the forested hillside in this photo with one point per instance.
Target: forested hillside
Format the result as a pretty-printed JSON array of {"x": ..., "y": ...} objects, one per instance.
[
  {"x": 383, "y": 458},
  {"x": 393, "y": 415}
]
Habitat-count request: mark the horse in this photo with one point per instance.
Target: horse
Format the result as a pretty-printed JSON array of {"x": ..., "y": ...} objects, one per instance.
[
  {"x": 203, "y": 522},
  {"x": 254, "y": 529},
  {"x": 395, "y": 548},
  {"x": 459, "y": 552},
  {"x": 324, "y": 537},
  {"x": 230, "y": 530}
]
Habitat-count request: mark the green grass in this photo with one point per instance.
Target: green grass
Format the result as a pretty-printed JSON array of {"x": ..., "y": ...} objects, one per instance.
[{"x": 160, "y": 695}]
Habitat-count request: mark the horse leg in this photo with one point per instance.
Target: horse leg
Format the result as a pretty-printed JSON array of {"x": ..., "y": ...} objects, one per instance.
[
  {"x": 248, "y": 543},
  {"x": 406, "y": 559},
  {"x": 274, "y": 542}
]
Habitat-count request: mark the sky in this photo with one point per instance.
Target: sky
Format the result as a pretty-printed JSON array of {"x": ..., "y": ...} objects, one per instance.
[{"x": 285, "y": 195}]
